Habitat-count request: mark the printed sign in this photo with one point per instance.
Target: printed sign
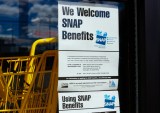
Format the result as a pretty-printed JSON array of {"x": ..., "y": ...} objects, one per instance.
[
  {"x": 84, "y": 71},
  {"x": 93, "y": 84},
  {"x": 88, "y": 58},
  {"x": 88, "y": 100},
  {"x": 88, "y": 27}
]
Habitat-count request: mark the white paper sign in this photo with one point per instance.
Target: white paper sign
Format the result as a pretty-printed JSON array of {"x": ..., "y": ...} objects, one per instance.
[
  {"x": 88, "y": 58},
  {"x": 88, "y": 100},
  {"x": 88, "y": 27},
  {"x": 77, "y": 64},
  {"x": 88, "y": 71}
]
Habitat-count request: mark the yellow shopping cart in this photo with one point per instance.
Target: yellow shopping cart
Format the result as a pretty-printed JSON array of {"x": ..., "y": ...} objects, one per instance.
[{"x": 28, "y": 84}]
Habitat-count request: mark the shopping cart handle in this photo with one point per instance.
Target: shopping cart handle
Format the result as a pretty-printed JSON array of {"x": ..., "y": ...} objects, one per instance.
[{"x": 41, "y": 41}]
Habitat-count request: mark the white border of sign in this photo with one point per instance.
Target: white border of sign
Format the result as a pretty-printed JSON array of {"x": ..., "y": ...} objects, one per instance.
[{"x": 100, "y": 110}]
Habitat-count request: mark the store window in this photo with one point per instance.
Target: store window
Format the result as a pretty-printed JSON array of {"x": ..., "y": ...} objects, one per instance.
[
  {"x": 24, "y": 21},
  {"x": 9, "y": 16}
]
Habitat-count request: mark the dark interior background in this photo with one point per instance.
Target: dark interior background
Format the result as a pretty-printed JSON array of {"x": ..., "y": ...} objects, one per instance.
[
  {"x": 140, "y": 56},
  {"x": 127, "y": 62},
  {"x": 149, "y": 55}
]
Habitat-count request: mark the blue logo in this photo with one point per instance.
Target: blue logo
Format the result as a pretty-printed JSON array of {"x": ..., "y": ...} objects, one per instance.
[
  {"x": 109, "y": 101},
  {"x": 101, "y": 37},
  {"x": 112, "y": 84}
]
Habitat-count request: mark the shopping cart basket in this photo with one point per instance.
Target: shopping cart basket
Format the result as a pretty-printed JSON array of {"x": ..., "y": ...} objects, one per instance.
[{"x": 28, "y": 84}]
